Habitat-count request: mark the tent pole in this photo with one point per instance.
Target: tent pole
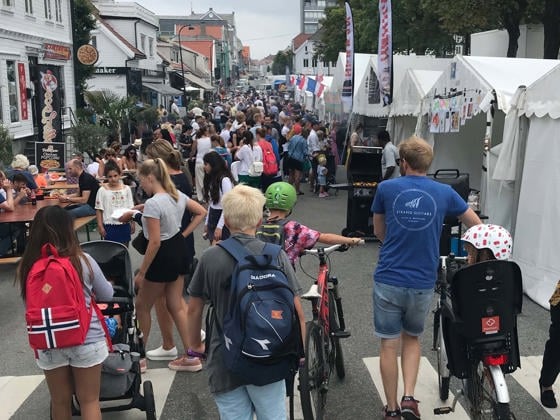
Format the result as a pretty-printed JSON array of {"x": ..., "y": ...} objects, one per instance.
[{"x": 488, "y": 144}]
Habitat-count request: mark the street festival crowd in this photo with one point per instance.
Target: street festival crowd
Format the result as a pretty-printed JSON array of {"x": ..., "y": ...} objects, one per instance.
[{"x": 242, "y": 160}]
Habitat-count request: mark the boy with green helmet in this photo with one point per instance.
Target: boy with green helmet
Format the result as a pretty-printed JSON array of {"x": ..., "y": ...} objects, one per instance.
[{"x": 294, "y": 237}]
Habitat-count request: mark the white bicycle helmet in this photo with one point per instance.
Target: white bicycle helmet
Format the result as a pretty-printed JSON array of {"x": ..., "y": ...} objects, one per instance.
[{"x": 494, "y": 237}]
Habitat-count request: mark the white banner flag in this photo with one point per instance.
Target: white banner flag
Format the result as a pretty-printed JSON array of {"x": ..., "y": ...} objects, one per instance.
[
  {"x": 385, "y": 51},
  {"x": 347, "y": 88}
]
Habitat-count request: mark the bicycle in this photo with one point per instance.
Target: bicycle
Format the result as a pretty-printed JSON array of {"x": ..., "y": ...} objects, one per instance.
[
  {"x": 481, "y": 355},
  {"x": 323, "y": 350}
]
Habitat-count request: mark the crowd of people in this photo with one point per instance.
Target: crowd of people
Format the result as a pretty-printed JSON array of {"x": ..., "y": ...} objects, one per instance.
[{"x": 219, "y": 168}]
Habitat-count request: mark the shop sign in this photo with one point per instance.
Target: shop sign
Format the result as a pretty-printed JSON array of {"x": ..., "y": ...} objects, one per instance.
[
  {"x": 50, "y": 155},
  {"x": 111, "y": 70},
  {"x": 49, "y": 104},
  {"x": 22, "y": 91},
  {"x": 87, "y": 55},
  {"x": 56, "y": 52}
]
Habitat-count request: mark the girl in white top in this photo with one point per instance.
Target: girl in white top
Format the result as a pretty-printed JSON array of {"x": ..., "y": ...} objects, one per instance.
[
  {"x": 249, "y": 152},
  {"x": 111, "y": 196},
  {"x": 218, "y": 181},
  {"x": 200, "y": 146}
]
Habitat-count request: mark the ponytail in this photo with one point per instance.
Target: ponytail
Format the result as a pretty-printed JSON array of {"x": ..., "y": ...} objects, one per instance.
[{"x": 157, "y": 168}]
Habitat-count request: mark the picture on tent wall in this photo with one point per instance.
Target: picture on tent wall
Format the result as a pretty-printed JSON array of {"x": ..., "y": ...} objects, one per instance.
[
  {"x": 444, "y": 121},
  {"x": 455, "y": 117},
  {"x": 434, "y": 122},
  {"x": 453, "y": 72},
  {"x": 447, "y": 126},
  {"x": 470, "y": 108}
]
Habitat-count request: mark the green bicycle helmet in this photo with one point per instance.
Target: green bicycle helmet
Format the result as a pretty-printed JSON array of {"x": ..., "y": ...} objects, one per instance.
[{"x": 280, "y": 196}]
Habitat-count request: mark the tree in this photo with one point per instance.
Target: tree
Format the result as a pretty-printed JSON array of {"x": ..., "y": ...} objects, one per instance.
[
  {"x": 6, "y": 140},
  {"x": 83, "y": 22},
  {"x": 281, "y": 60},
  {"x": 551, "y": 23},
  {"x": 89, "y": 138},
  {"x": 112, "y": 111}
]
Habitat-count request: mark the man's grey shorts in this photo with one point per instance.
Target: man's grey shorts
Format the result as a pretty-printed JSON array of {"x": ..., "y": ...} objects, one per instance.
[
  {"x": 84, "y": 356},
  {"x": 399, "y": 309}
]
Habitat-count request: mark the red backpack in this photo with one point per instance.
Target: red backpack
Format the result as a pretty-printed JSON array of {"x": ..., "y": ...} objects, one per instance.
[
  {"x": 270, "y": 166},
  {"x": 56, "y": 311}
]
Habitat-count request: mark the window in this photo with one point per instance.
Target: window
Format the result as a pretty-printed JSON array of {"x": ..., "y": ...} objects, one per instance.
[
  {"x": 13, "y": 91},
  {"x": 333, "y": 64},
  {"x": 29, "y": 7},
  {"x": 305, "y": 62},
  {"x": 58, "y": 10},
  {"x": 143, "y": 42},
  {"x": 314, "y": 62},
  {"x": 94, "y": 41},
  {"x": 1, "y": 112},
  {"x": 151, "y": 46},
  {"x": 325, "y": 64},
  {"x": 48, "y": 11},
  {"x": 8, "y": 3}
]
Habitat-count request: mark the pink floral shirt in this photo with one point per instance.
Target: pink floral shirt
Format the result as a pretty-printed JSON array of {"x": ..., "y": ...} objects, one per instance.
[{"x": 297, "y": 238}]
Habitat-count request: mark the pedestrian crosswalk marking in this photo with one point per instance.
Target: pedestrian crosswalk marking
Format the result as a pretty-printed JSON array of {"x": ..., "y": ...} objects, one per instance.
[
  {"x": 14, "y": 390},
  {"x": 426, "y": 389},
  {"x": 528, "y": 378}
]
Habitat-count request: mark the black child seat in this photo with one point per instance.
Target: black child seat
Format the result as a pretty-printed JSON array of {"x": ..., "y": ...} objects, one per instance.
[{"x": 482, "y": 321}]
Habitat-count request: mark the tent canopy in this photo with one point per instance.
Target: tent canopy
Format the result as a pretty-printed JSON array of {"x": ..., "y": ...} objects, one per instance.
[
  {"x": 487, "y": 74},
  {"x": 541, "y": 97},
  {"x": 363, "y": 104},
  {"x": 413, "y": 89}
]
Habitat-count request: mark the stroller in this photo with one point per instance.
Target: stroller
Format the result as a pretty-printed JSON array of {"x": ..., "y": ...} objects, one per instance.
[{"x": 120, "y": 372}]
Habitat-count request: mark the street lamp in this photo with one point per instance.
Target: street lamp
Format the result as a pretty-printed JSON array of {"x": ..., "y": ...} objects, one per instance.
[{"x": 190, "y": 28}]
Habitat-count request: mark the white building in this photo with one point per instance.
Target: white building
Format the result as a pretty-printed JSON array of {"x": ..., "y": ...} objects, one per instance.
[
  {"x": 305, "y": 61},
  {"x": 129, "y": 65},
  {"x": 35, "y": 57},
  {"x": 494, "y": 43}
]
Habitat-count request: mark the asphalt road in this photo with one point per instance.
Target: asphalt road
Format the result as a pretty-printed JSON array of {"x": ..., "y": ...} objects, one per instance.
[{"x": 186, "y": 396}]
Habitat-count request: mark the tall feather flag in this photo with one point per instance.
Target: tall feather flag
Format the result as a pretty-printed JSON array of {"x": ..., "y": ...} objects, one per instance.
[
  {"x": 347, "y": 86},
  {"x": 302, "y": 80},
  {"x": 385, "y": 51},
  {"x": 320, "y": 86},
  {"x": 311, "y": 85}
]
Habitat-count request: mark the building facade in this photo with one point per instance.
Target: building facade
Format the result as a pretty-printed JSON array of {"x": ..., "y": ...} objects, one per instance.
[
  {"x": 36, "y": 70},
  {"x": 312, "y": 11},
  {"x": 305, "y": 61}
]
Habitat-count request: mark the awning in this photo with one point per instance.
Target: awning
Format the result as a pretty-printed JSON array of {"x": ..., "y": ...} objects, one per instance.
[
  {"x": 198, "y": 82},
  {"x": 163, "y": 89}
]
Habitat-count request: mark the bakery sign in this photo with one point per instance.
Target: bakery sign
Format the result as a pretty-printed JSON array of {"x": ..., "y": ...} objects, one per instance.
[
  {"x": 87, "y": 55},
  {"x": 56, "y": 52},
  {"x": 50, "y": 155}
]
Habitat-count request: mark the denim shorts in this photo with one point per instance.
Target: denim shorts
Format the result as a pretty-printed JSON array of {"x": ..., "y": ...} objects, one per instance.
[
  {"x": 267, "y": 402},
  {"x": 84, "y": 356},
  {"x": 400, "y": 309}
]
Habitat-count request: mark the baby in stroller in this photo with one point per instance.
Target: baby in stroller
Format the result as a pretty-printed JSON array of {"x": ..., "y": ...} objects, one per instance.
[{"x": 120, "y": 373}]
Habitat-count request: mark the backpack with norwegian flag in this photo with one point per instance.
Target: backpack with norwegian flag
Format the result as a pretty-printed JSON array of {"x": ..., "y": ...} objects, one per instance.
[
  {"x": 270, "y": 165},
  {"x": 56, "y": 311}
]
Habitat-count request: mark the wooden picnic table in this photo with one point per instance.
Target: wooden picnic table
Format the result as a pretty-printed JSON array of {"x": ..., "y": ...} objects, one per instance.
[
  {"x": 26, "y": 212},
  {"x": 60, "y": 186}
]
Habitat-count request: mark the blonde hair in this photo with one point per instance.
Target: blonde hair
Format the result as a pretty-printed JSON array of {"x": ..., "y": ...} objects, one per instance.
[
  {"x": 417, "y": 153},
  {"x": 243, "y": 207},
  {"x": 157, "y": 168},
  {"x": 162, "y": 149},
  {"x": 240, "y": 117},
  {"x": 20, "y": 162}
]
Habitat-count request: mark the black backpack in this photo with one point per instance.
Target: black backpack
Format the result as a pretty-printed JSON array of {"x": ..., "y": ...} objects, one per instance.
[
  {"x": 261, "y": 331},
  {"x": 272, "y": 232}
]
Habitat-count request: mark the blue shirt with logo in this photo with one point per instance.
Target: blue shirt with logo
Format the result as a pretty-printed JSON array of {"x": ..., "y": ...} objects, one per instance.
[{"x": 414, "y": 209}]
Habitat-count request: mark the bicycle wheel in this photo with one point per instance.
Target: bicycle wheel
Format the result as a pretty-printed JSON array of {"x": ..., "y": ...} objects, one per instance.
[
  {"x": 482, "y": 397},
  {"x": 313, "y": 374},
  {"x": 441, "y": 351},
  {"x": 337, "y": 347}
]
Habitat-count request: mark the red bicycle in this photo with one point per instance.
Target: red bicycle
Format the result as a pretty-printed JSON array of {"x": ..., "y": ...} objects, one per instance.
[{"x": 323, "y": 350}]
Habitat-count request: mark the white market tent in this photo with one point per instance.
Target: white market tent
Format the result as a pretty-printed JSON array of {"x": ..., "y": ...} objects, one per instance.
[
  {"x": 363, "y": 102},
  {"x": 409, "y": 112},
  {"x": 477, "y": 80},
  {"x": 530, "y": 161}
]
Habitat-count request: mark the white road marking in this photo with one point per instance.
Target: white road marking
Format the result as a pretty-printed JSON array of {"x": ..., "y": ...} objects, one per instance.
[
  {"x": 426, "y": 389},
  {"x": 14, "y": 390}
]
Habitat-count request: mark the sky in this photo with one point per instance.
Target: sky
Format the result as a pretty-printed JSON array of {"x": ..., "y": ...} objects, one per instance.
[{"x": 266, "y": 26}]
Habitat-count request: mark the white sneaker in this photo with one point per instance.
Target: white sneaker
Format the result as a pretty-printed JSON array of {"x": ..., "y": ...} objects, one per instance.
[
  {"x": 312, "y": 293},
  {"x": 161, "y": 354}
]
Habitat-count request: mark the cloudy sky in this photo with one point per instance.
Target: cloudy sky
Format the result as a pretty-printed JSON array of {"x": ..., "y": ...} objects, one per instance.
[{"x": 264, "y": 25}]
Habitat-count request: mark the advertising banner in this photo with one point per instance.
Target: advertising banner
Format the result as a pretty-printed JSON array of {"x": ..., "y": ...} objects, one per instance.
[
  {"x": 385, "y": 51},
  {"x": 22, "y": 92},
  {"x": 347, "y": 88},
  {"x": 49, "y": 155},
  {"x": 50, "y": 126}
]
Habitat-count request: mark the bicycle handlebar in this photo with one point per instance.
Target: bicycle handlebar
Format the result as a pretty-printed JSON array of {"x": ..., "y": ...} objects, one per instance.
[{"x": 331, "y": 249}]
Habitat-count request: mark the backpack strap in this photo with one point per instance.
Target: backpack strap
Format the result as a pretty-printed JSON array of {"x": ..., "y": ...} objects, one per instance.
[
  {"x": 93, "y": 307},
  {"x": 235, "y": 248},
  {"x": 238, "y": 251}
]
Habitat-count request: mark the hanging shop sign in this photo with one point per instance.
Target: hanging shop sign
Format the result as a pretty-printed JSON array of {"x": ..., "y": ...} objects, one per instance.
[
  {"x": 87, "y": 55},
  {"x": 22, "y": 91},
  {"x": 49, "y": 103},
  {"x": 56, "y": 52}
]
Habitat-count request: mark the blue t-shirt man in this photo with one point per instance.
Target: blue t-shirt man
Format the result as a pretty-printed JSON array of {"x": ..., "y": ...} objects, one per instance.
[{"x": 414, "y": 209}]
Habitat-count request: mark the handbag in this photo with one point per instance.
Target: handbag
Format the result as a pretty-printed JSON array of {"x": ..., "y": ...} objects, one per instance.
[
  {"x": 140, "y": 243},
  {"x": 256, "y": 168}
]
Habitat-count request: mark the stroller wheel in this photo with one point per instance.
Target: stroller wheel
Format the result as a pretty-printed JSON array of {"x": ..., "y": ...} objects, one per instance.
[{"x": 149, "y": 401}]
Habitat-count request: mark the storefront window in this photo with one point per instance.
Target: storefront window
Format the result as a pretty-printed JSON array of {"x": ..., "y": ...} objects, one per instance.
[{"x": 13, "y": 91}]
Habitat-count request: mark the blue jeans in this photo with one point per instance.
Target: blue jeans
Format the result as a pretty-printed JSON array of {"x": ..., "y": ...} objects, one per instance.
[
  {"x": 9, "y": 232},
  {"x": 81, "y": 210},
  {"x": 268, "y": 402},
  {"x": 397, "y": 309}
]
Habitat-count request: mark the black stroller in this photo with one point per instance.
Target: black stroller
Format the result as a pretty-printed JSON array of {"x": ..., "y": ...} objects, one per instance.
[{"x": 120, "y": 373}]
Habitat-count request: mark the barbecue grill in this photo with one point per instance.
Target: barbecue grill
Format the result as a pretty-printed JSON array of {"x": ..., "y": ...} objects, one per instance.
[{"x": 363, "y": 173}]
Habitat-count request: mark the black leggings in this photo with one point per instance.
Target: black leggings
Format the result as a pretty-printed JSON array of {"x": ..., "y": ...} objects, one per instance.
[{"x": 551, "y": 357}]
